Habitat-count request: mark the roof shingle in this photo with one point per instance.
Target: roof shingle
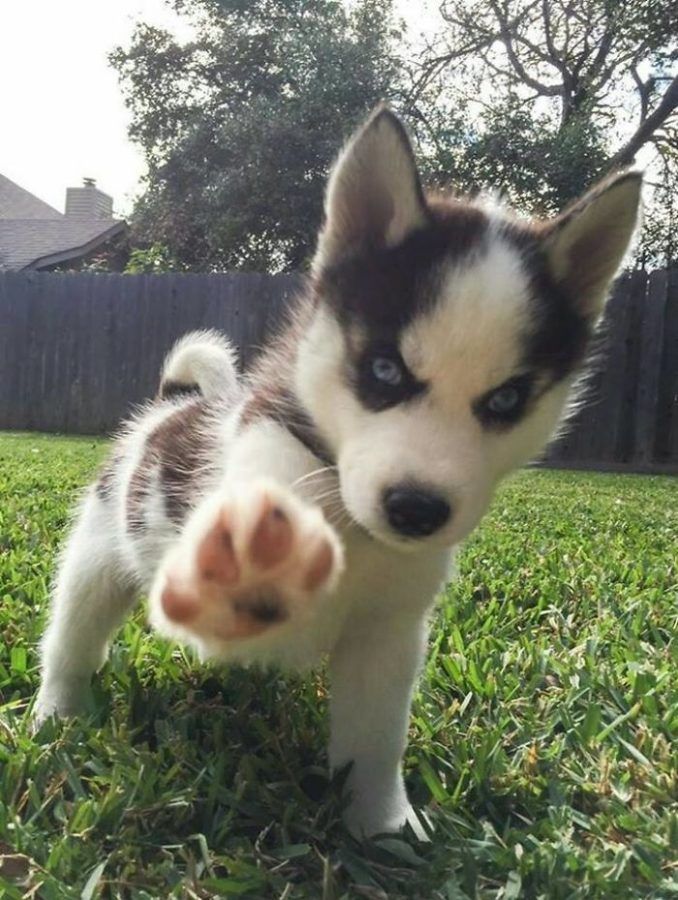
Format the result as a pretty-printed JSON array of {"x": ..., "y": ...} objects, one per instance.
[
  {"x": 18, "y": 203},
  {"x": 31, "y": 242},
  {"x": 34, "y": 235}
]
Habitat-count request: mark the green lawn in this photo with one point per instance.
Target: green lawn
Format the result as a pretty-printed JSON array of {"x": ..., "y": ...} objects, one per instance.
[{"x": 541, "y": 739}]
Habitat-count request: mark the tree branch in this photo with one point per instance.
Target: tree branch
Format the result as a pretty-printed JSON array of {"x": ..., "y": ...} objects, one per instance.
[
  {"x": 545, "y": 90},
  {"x": 435, "y": 65},
  {"x": 667, "y": 105},
  {"x": 546, "y": 17},
  {"x": 644, "y": 91}
]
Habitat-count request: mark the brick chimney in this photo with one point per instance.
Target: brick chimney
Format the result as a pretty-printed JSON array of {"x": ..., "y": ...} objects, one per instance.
[{"x": 88, "y": 202}]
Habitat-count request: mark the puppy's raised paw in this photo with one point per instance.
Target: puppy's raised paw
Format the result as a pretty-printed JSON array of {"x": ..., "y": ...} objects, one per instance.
[{"x": 246, "y": 563}]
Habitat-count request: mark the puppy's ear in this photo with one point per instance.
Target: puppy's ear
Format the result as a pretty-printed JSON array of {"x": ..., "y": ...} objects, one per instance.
[
  {"x": 586, "y": 244},
  {"x": 374, "y": 197}
]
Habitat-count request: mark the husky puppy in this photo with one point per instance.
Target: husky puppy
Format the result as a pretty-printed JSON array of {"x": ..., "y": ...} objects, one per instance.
[{"x": 312, "y": 507}]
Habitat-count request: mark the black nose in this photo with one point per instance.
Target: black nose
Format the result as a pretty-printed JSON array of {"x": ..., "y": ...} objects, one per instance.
[{"x": 415, "y": 512}]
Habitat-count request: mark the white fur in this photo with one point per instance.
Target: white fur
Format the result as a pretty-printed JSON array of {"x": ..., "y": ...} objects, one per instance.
[
  {"x": 372, "y": 625},
  {"x": 91, "y": 595},
  {"x": 203, "y": 358},
  {"x": 371, "y": 621}
]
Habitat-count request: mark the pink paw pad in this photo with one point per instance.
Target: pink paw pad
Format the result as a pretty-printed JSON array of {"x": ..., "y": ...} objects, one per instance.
[
  {"x": 272, "y": 539},
  {"x": 178, "y": 607},
  {"x": 245, "y": 572},
  {"x": 216, "y": 555}
]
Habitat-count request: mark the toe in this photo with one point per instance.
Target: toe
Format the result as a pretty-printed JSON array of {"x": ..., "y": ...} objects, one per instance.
[
  {"x": 272, "y": 538},
  {"x": 178, "y": 607},
  {"x": 216, "y": 556},
  {"x": 321, "y": 567}
]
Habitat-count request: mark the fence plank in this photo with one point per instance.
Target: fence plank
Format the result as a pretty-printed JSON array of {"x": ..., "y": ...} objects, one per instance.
[
  {"x": 666, "y": 447},
  {"x": 649, "y": 375},
  {"x": 628, "y": 407},
  {"x": 605, "y": 435}
]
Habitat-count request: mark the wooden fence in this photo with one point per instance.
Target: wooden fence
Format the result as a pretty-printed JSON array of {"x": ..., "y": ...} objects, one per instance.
[
  {"x": 78, "y": 351},
  {"x": 630, "y": 419}
]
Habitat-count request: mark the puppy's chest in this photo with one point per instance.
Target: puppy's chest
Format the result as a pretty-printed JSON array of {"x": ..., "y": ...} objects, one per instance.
[
  {"x": 384, "y": 584},
  {"x": 386, "y": 581},
  {"x": 376, "y": 582}
]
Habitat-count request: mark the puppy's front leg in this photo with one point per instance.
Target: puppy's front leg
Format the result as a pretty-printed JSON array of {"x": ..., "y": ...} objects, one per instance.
[
  {"x": 255, "y": 553},
  {"x": 373, "y": 671}
]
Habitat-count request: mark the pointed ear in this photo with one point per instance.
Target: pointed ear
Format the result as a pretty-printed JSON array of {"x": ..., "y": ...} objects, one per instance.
[
  {"x": 374, "y": 197},
  {"x": 586, "y": 244}
]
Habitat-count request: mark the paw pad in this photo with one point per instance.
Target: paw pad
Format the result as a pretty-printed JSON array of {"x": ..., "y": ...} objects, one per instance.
[{"x": 247, "y": 564}]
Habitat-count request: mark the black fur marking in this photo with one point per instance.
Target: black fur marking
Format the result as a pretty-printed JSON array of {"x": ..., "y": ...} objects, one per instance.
[
  {"x": 178, "y": 389},
  {"x": 302, "y": 428},
  {"x": 104, "y": 485},
  {"x": 282, "y": 406},
  {"x": 181, "y": 453},
  {"x": 183, "y": 444},
  {"x": 384, "y": 289},
  {"x": 381, "y": 290},
  {"x": 559, "y": 339}
]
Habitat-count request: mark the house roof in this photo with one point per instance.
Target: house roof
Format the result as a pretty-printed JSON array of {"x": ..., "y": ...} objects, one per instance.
[
  {"x": 34, "y": 235},
  {"x": 37, "y": 243},
  {"x": 18, "y": 203}
]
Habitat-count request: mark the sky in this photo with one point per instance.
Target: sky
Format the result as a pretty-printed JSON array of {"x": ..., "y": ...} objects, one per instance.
[{"x": 63, "y": 117}]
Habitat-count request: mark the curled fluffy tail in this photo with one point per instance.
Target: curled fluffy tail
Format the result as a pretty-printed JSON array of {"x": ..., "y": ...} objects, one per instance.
[{"x": 200, "y": 362}]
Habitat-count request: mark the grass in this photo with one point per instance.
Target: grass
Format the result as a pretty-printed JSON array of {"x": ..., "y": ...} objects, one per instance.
[{"x": 541, "y": 737}]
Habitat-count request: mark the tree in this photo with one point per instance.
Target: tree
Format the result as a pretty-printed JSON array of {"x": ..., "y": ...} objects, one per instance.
[
  {"x": 240, "y": 125},
  {"x": 536, "y": 97},
  {"x": 559, "y": 92}
]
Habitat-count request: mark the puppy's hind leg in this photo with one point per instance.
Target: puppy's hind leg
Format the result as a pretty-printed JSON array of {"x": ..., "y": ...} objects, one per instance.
[{"x": 89, "y": 600}]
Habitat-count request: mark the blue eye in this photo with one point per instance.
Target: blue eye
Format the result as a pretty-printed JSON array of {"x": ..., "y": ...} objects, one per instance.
[
  {"x": 504, "y": 400},
  {"x": 507, "y": 404},
  {"x": 386, "y": 370},
  {"x": 382, "y": 379}
]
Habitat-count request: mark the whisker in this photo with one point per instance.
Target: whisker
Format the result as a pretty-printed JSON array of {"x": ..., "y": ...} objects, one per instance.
[
  {"x": 313, "y": 474},
  {"x": 333, "y": 509},
  {"x": 327, "y": 495}
]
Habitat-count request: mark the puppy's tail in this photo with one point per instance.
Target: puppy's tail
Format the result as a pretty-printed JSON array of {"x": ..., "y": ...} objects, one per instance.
[{"x": 202, "y": 362}]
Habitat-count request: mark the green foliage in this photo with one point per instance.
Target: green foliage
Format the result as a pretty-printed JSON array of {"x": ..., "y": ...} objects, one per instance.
[
  {"x": 541, "y": 737},
  {"x": 151, "y": 260},
  {"x": 513, "y": 150},
  {"x": 555, "y": 94},
  {"x": 240, "y": 125}
]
